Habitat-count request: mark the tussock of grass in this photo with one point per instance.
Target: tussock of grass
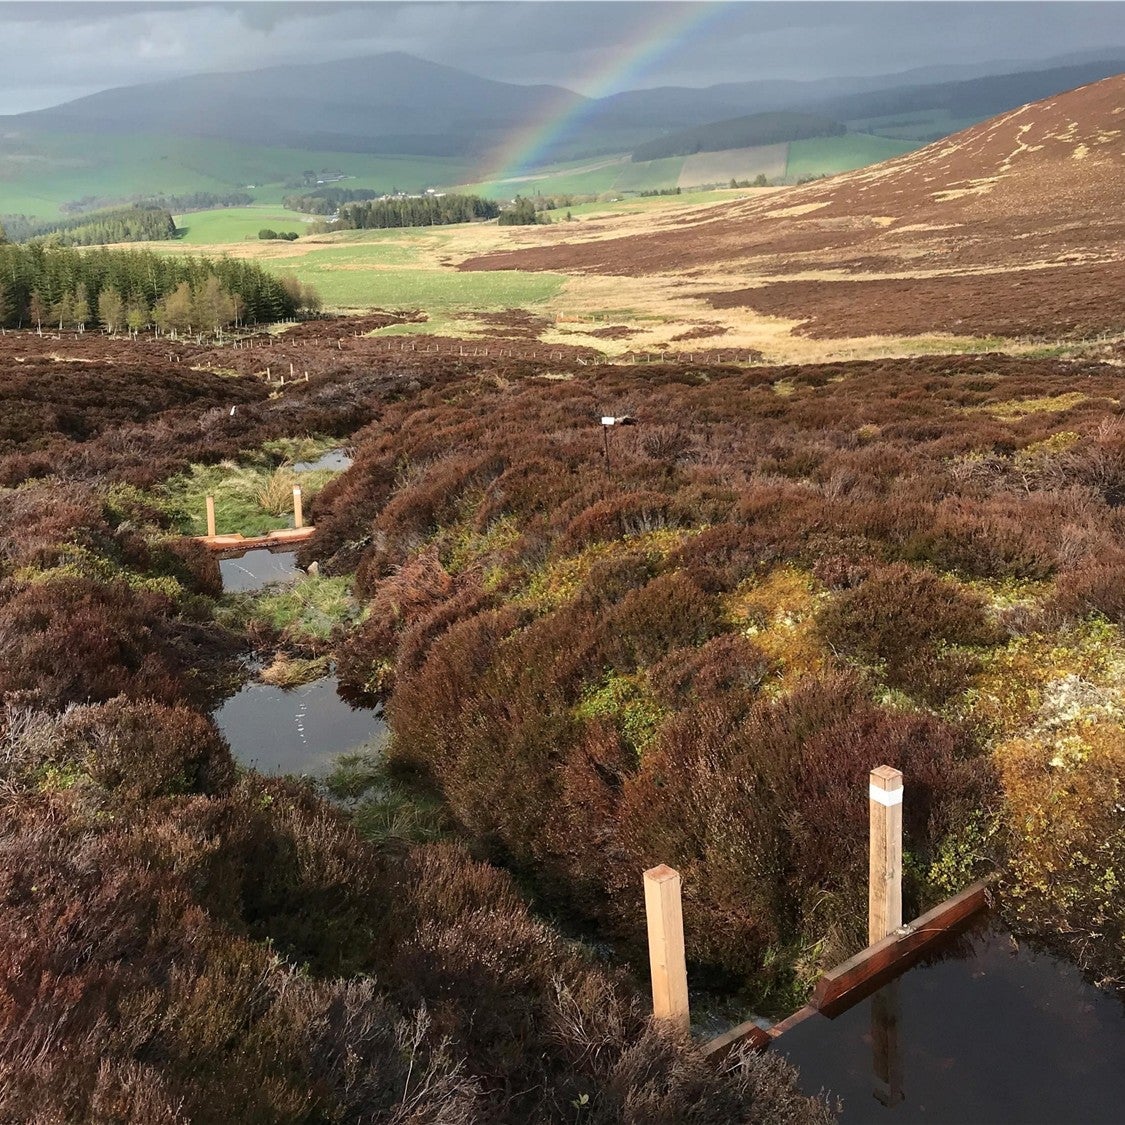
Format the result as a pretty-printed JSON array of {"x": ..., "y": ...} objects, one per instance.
[
  {"x": 250, "y": 499},
  {"x": 384, "y": 810},
  {"x": 293, "y": 671},
  {"x": 310, "y": 609}
]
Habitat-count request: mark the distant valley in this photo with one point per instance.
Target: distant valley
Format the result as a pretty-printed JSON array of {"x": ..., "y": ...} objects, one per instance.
[{"x": 398, "y": 123}]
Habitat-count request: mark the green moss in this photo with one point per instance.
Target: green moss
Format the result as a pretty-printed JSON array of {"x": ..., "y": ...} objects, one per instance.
[
  {"x": 465, "y": 546},
  {"x": 964, "y": 854},
  {"x": 628, "y": 703},
  {"x": 554, "y": 584},
  {"x": 79, "y": 562}
]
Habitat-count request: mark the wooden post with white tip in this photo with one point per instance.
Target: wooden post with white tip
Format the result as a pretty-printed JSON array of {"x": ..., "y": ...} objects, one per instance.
[
  {"x": 667, "y": 959},
  {"x": 298, "y": 512},
  {"x": 884, "y": 902}
]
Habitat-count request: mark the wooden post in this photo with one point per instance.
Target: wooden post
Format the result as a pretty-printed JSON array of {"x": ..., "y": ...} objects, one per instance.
[
  {"x": 666, "y": 946},
  {"x": 211, "y": 516},
  {"x": 884, "y": 903},
  {"x": 298, "y": 515}
]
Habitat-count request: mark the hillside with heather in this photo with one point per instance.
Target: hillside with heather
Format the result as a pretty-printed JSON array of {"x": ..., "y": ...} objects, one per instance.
[
  {"x": 449, "y": 639},
  {"x": 1013, "y": 228}
]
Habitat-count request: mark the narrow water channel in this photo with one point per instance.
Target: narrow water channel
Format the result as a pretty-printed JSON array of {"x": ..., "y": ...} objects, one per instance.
[
  {"x": 994, "y": 1033},
  {"x": 254, "y": 569},
  {"x": 299, "y": 730}
]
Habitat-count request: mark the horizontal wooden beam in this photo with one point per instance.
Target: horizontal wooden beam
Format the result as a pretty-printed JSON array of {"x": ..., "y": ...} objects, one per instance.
[
  {"x": 757, "y": 1038},
  {"x": 887, "y": 958},
  {"x": 280, "y": 538},
  {"x": 848, "y": 982}
]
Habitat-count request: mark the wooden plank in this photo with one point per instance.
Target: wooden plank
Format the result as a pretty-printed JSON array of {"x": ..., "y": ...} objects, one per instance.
[
  {"x": 787, "y": 1024},
  {"x": 279, "y": 538},
  {"x": 848, "y": 982},
  {"x": 750, "y": 1033},
  {"x": 894, "y": 953}
]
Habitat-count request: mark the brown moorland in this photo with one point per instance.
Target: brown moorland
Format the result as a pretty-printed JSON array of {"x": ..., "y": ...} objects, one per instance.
[{"x": 1040, "y": 186}]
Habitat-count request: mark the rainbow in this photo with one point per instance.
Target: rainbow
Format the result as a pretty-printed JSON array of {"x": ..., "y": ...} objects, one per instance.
[{"x": 670, "y": 30}]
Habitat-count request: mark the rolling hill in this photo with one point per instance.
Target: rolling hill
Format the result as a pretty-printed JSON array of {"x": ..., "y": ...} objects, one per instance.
[
  {"x": 391, "y": 103},
  {"x": 397, "y": 122},
  {"x": 740, "y": 132},
  {"x": 1011, "y": 227}
]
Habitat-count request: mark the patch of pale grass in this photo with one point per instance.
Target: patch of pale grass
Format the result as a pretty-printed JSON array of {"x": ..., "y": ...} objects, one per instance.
[{"x": 292, "y": 671}]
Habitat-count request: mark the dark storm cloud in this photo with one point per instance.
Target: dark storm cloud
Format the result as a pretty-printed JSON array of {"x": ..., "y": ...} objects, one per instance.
[{"x": 56, "y": 51}]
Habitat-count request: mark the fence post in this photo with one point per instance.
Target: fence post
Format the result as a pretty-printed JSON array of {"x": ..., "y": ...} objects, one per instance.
[
  {"x": 884, "y": 901},
  {"x": 298, "y": 514},
  {"x": 666, "y": 956},
  {"x": 211, "y": 516}
]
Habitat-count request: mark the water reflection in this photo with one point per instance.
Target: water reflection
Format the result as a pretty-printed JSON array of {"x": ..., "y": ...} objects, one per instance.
[
  {"x": 254, "y": 569},
  {"x": 299, "y": 731},
  {"x": 335, "y": 459},
  {"x": 1001, "y": 1035}
]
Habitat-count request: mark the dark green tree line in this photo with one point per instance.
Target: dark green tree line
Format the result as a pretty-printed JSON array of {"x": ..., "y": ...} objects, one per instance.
[
  {"x": 42, "y": 285},
  {"x": 125, "y": 224},
  {"x": 416, "y": 211}
]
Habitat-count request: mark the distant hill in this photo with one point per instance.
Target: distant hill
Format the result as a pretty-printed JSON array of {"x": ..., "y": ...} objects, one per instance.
[
  {"x": 390, "y": 103},
  {"x": 1014, "y": 226},
  {"x": 978, "y": 98},
  {"x": 394, "y": 122},
  {"x": 740, "y": 132}
]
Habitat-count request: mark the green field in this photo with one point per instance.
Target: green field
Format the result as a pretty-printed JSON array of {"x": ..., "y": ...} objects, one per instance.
[
  {"x": 236, "y": 224},
  {"x": 825, "y": 156},
  {"x": 436, "y": 291},
  {"x": 650, "y": 175},
  {"x": 38, "y": 173}
]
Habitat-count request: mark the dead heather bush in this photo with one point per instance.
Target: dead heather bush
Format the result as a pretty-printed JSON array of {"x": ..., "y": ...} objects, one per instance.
[
  {"x": 73, "y": 640},
  {"x": 1096, "y": 586},
  {"x": 144, "y": 750},
  {"x": 899, "y": 619},
  {"x": 669, "y": 612}
]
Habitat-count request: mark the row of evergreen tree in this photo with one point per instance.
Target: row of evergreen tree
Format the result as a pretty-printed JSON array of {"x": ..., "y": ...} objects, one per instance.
[
  {"x": 178, "y": 204},
  {"x": 42, "y": 286},
  {"x": 124, "y": 224},
  {"x": 327, "y": 200},
  {"x": 415, "y": 211}
]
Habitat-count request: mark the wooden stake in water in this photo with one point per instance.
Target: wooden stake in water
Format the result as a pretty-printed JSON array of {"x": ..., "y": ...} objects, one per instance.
[
  {"x": 666, "y": 956},
  {"x": 211, "y": 516},
  {"x": 298, "y": 514},
  {"x": 884, "y": 903}
]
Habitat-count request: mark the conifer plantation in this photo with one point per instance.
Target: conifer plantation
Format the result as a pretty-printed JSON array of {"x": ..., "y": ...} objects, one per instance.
[{"x": 42, "y": 286}]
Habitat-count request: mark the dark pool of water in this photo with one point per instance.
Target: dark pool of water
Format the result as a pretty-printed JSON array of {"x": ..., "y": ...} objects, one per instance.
[
  {"x": 334, "y": 459},
  {"x": 254, "y": 569},
  {"x": 999, "y": 1035},
  {"x": 299, "y": 731}
]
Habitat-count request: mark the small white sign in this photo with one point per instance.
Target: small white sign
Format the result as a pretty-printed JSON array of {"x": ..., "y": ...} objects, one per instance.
[{"x": 608, "y": 421}]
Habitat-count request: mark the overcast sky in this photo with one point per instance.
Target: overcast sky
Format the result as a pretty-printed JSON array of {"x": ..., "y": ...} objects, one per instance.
[{"x": 52, "y": 52}]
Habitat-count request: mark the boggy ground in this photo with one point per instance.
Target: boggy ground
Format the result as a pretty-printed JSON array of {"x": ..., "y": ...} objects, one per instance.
[
  {"x": 186, "y": 942},
  {"x": 695, "y": 653}
]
